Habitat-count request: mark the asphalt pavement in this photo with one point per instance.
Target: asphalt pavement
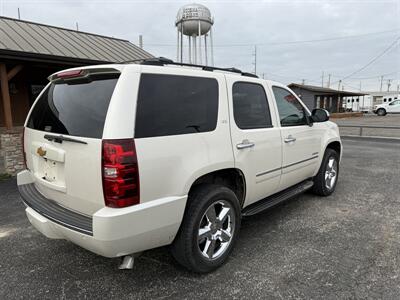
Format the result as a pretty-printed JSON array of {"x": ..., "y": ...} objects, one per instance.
[{"x": 345, "y": 246}]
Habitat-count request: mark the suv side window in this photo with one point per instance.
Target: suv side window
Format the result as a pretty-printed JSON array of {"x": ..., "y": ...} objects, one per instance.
[
  {"x": 291, "y": 112},
  {"x": 172, "y": 105},
  {"x": 250, "y": 106}
]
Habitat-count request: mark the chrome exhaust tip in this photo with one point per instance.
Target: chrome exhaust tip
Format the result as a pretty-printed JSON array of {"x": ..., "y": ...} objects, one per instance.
[{"x": 127, "y": 263}]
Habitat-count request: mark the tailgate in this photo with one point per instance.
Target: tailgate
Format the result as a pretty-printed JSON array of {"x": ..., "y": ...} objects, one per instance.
[{"x": 63, "y": 141}]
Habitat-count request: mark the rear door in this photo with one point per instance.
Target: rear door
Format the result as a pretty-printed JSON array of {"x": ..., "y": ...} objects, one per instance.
[
  {"x": 256, "y": 138},
  {"x": 301, "y": 142},
  {"x": 63, "y": 139}
]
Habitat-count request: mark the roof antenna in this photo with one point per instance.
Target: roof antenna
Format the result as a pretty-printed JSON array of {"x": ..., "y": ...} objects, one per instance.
[
  {"x": 77, "y": 26},
  {"x": 19, "y": 14}
]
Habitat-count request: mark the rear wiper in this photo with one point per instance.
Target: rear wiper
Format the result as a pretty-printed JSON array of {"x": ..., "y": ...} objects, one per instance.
[{"x": 60, "y": 139}]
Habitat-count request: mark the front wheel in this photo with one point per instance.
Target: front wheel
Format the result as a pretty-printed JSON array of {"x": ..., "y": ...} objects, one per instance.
[
  {"x": 381, "y": 112},
  {"x": 209, "y": 228},
  {"x": 326, "y": 179}
]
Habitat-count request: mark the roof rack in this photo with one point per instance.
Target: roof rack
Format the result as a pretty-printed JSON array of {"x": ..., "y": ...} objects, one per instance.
[{"x": 162, "y": 61}]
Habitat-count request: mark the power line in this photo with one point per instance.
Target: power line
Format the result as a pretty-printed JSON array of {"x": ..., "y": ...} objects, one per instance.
[
  {"x": 368, "y": 77},
  {"x": 386, "y": 50},
  {"x": 291, "y": 42}
]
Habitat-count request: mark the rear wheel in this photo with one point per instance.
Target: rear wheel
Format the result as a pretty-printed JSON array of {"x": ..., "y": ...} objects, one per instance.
[
  {"x": 209, "y": 228},
  {"x": 326, "y": 179},
  {"x": 381, "y": 112}
]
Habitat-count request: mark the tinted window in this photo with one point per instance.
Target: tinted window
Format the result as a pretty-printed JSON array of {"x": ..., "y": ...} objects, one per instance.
[
  {"x": 291, "y": 112},
  {"x": 74, "y": 109},
  {"x": 250, "y": 106},
  {"x": 170, "y": 105}
]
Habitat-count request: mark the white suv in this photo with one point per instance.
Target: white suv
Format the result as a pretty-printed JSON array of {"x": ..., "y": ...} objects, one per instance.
[
  {"x": 128, "y": 157},
  {"x": 387, "y": 108}
]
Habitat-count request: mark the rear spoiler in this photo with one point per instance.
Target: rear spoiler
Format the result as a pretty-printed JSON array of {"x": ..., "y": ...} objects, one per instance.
[{"x": 82, "y": 74}]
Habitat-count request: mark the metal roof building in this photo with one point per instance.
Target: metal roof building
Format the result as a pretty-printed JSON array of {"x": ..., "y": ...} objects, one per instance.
[
  {"x": 321, "y": 97},
  {"x": 39, "y": 42},
  {"x": 30, "y": 52}
]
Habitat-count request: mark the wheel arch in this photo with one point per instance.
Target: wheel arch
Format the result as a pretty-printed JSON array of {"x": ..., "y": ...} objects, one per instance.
[
  {"x": 335, "y": 145},
  {"x": 232, "y": 178}
]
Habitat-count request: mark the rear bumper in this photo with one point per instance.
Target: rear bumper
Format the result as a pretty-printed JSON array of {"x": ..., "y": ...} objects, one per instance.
[{"x": 115, "y": 232}]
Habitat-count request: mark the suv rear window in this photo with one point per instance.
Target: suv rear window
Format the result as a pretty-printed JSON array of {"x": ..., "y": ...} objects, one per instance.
[
  {"x": 74, "y": 108},
  {"x": 171, "y": 105}
]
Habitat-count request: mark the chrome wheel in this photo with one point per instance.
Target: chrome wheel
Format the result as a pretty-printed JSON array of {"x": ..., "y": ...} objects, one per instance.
[
  {"x": 216, "y": 229},
  {"x": 331, "y": 173}
]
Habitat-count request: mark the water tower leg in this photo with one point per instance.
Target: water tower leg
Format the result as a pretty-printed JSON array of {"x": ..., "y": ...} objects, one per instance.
[
  {"x": 194, "y": 49},
  {"x": 200, "y": 59},
  {"x": 211, "y": 48},
  {"x": 205, "y": 49},
  {"x": 177, "y": 43},
  {"x": 190, "y": 49},
  {"x": 181, "y": 42}
]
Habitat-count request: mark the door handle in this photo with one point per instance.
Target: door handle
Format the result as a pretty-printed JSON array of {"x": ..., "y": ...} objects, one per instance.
[
  {"x": 245, "y": 144},
  {"x": 290, "y": 139}
]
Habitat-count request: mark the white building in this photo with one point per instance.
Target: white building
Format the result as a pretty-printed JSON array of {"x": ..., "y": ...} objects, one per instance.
[{"x": 367, "y": 102}]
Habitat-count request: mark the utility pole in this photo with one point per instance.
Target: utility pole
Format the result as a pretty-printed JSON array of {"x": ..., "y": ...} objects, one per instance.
[
  {"x": 77, "y": 26},
  {"x": 19, "y": 14},
  {"x": 141, "y": 41},
  {"x": 329, "y": 80},
  {"x": 322, "y": 81},
  {"x": 389, "y": 84},
  {"x": 381, "y": 83},
  {"x": 340, "y": 100},
  {"x": 255, "y": 59}
]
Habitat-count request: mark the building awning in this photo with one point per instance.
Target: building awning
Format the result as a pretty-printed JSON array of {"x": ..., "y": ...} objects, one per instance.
[
  {"x": 325, "y": 91},
  {"x": 24, "y": 40}
]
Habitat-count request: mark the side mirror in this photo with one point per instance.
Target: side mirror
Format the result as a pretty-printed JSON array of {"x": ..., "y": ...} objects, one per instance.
[{"x": 319, "y": 115}]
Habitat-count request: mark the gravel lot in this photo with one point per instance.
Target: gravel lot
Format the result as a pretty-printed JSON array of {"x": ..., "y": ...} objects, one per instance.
[
  {"x": 371, "y": 119},
  {"x": 343, "y": 246}
]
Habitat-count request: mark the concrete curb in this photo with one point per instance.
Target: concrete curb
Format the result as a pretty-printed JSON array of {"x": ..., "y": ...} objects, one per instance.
[{"x": 371, "y": 138}]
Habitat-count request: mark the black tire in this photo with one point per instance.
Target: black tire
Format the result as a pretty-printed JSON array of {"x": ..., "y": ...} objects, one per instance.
[
  {"x": 186, "y": 248},
  {"x": 320, "y": 182},
  {"x": 381, "y": 112}
]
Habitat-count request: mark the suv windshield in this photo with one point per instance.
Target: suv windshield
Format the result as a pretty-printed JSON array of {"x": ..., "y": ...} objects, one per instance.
[{"x": 74, "y": 109}]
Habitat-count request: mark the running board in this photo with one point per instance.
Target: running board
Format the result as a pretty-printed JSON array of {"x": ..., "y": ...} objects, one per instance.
[{"x": 280, "y": 197}]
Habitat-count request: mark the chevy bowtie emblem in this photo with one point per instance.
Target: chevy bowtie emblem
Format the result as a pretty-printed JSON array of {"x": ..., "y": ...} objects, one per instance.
[{"x": 41, "y": 152}]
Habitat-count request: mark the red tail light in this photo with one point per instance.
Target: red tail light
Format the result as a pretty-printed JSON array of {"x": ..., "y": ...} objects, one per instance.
[{"x": 120, "y": 173}]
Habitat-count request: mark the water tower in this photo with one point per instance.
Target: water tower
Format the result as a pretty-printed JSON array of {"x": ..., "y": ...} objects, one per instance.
[{"x": 194, "y": 21}]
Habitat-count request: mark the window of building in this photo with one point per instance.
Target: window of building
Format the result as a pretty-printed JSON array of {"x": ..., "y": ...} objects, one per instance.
[
  {"x": 171, "y": 105},
  {"x": 250, "y": 106}
]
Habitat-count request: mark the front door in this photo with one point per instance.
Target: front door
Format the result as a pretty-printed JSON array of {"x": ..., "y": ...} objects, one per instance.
[
  {"x": 394, "y": 107},
  {"x": 301, "y": 142},
  {"x": 256, "y": 137}
]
